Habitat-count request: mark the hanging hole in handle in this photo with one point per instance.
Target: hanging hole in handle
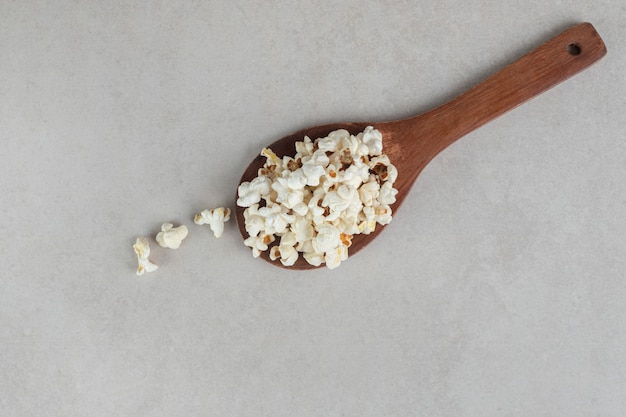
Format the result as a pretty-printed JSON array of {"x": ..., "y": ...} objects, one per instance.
[{"x": 574, "y": 49}]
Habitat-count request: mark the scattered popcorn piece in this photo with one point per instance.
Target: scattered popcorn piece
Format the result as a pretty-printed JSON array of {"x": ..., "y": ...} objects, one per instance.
[
  {"x": 142, "y": 249},
  {"x": 170, "y": 236},
  {"x": 315, "y": 202},
  {"x": 215, "y": 218}
]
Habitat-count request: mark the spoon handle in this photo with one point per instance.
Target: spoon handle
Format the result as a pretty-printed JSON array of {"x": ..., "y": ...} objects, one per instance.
[{"x": 553, "y": 62}]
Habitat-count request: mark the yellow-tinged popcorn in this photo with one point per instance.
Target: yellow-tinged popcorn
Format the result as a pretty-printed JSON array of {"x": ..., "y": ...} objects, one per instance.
[
  {"x": 142, "y": 250},
  {"x": 272, "y": 158}
]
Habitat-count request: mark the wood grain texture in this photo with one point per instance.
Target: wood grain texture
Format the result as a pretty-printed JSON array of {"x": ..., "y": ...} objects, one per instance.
[{"x": 412, "y": 143}]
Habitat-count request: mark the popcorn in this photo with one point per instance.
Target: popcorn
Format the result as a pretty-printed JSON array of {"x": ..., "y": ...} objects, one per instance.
[
  {"x": 387, "y": 194},
  {"x": 382, "y": 215},
  {"x": 314, "y": 258},
  {"x": 315, "y": 202},
  {"x": 215, "y": 218},
  {"x": 327, "y": 239},
  {"x": 339, "y": 200},
  {"x": 170, "y": 236},
  {"x": 272, "y": 158},
  {"x": 304, "y": 148},
  {"x": 383, "y": 168},
  {"x": 374, "y": 141},
  {"x": 334, "y": 257},
  {"x": 369, "y": 192},
  {"x": 277, "y": 221},
  {"x": 313, "y": 173},
  {"x": 328, "y": 144},
  {"x": 303, "y": 230},
  {"x": 254, "y": 221},
  {"x": 368, "y": 220},
  {"x": 142, "y": 249},
  {"x": 285, "y": 251},
  {"x": 259, "y": 243},
  {"x": 250, "y": 192}
]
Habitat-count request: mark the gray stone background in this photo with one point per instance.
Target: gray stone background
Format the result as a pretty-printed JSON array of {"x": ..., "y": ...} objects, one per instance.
[{"x": 498, "y": 290}]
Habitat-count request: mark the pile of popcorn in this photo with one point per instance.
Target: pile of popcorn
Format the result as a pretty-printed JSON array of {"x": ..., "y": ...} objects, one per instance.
[{"x": 314, "y": 202}]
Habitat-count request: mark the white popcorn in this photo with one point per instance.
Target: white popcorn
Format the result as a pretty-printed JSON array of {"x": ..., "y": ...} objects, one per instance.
[
  {"x": 289, "y": 197},
  {"x": 250, "y": 192},
  {"x": 295, "y": 180},
  {"x": 301, "y": 209},
  {"x": 285, "y": 251},
  {"x": 215, "y": 218},
  {"x": 369, "y": 191},
  {"x": 387, "y": 194},
  {"x": 327, "y": 239},
  {"x": 318, "y": 157},
  {"x": 367, "y": 220},
  {"x": 170, "y": 236},
  {"x": 259, "y": 243},
  {"x": 355, "y": 175},
  {"x": 277, "y": 221},
  {"x": 334, "y": 257},
  {"x": 353, "y": 146},
  {"x": 314, "y": 202},
  {"x": 339, "y": 200},
  {"x": 383, "y": 215},
  {"x": 313, "y": 173},
  {"x": 383, "y": 168},
  {"x": 254, "y": 222},
  {"x": 374, "y": 141},
  {"x": 314, "y": 258},
  {"x": 304, "y": 148},
  {"x": 332, "y": 177},
  {"x": 328, "y": 144},
  {"x": 142, "y": 249},
  {"x": 367, "y": 226},
  {"x": 303, "y": 230}
]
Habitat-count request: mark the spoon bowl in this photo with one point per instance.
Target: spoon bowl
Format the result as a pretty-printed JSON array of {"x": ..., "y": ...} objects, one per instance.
[{"x": 412, "y": 143}]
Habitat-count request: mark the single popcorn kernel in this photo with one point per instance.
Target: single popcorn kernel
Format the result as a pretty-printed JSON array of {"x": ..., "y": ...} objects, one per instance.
[
  {"x": 314, "y": 202},
  {"x": 170, "y": 236},
  {"x": 142, "y": 250},
  {"x": 271, "y": 156},
  {"x": 215, "y": 218}
]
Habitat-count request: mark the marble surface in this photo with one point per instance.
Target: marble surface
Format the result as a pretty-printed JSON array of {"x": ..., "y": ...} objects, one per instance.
[{"x": 498, "y": 290}]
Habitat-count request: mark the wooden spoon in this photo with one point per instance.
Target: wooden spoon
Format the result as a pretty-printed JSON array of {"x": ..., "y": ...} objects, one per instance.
[{"x": 412, "y": 143}]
